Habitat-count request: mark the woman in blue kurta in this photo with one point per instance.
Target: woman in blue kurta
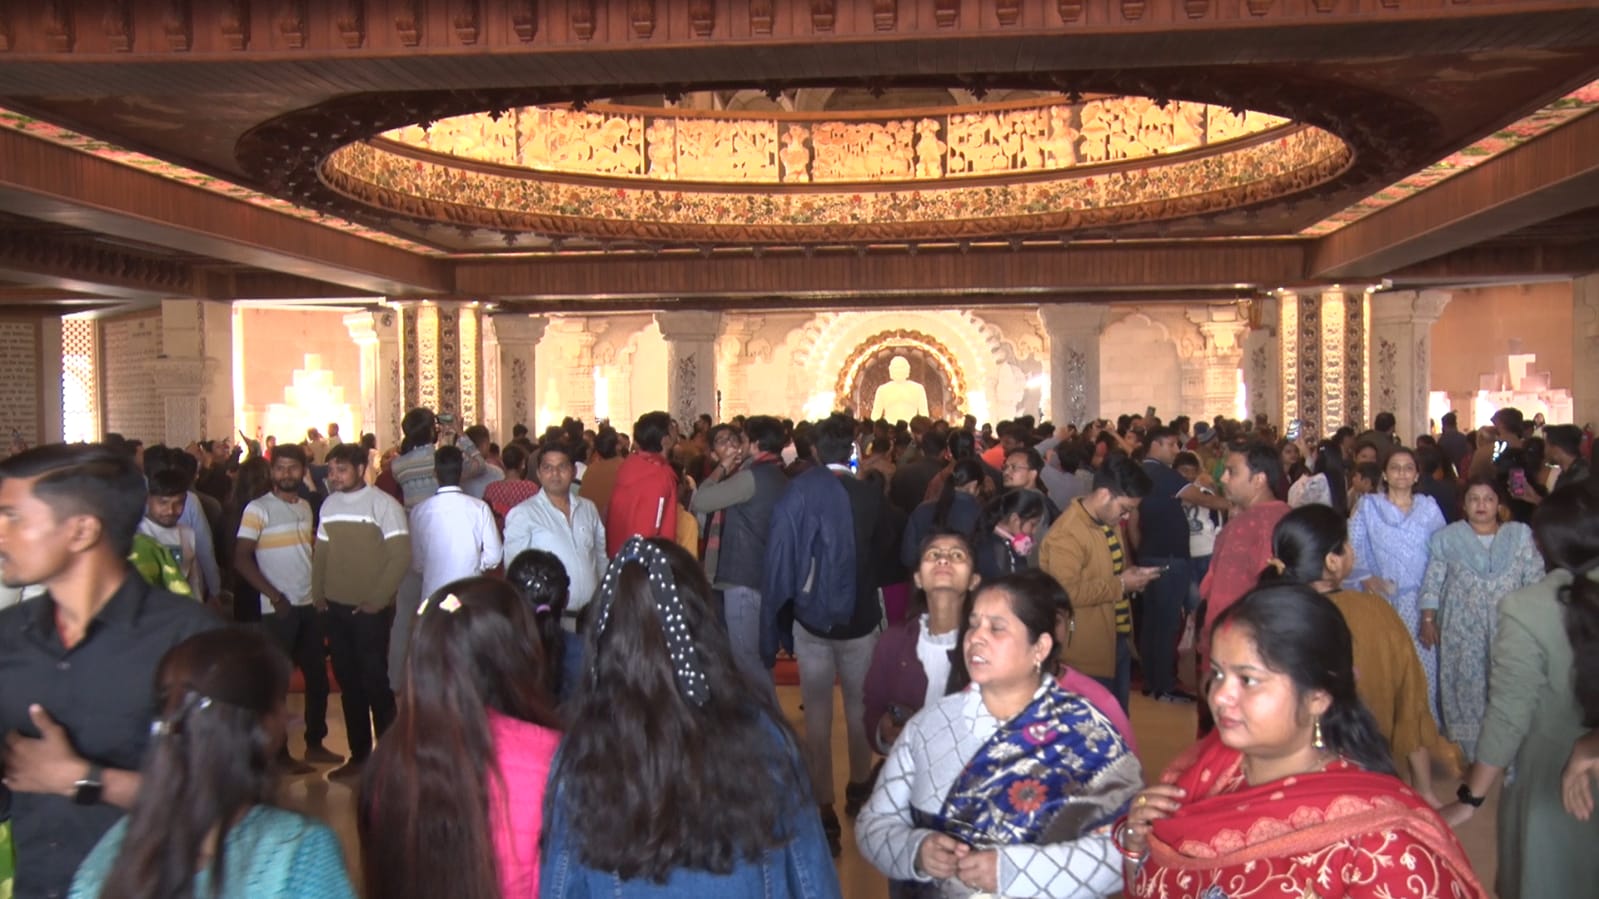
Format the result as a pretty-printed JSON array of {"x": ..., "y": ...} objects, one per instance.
[
  {"x": 205, "y": 823},
  {"x": 1472, "y": 564},
  {"x": 1390, "y": 534}
]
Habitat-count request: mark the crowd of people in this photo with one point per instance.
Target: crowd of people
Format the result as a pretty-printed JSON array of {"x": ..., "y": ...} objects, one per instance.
[{"x": 555, "y": 659}]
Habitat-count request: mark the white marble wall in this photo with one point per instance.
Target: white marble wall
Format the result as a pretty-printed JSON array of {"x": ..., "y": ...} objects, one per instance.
[{"x": 789, "y": 363}]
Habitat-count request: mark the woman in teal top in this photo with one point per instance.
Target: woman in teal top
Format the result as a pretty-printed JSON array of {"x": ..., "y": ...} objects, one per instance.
[{"x": 204, "y": 823}]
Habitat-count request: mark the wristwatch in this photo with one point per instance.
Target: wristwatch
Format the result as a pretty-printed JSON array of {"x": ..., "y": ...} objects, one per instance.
[
  {"x": 1464, "y": 795},
  {"x": 91, "y": 786}
]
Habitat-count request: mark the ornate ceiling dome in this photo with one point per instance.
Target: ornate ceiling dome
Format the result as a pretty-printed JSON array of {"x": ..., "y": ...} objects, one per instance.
[{"x": 676, "y": 175}]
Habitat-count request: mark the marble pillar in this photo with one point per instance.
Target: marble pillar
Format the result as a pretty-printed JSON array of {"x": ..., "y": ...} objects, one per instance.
[
  {"x": 194, "y": 373},
  {"x": 441, "y": 350},
  {"x": 1585, "y": 351},
  {"x": 382, "y": 386},
  {"x": 1210, "y": 371},
  {"x": 1262, "y": 362},
  {"x": 509, "y": 371},
  {"x": 1321, "y": 340},
  {"x": 1401, "y": 355},
  {"x": 1074, "y": 330},
  {"x": 733, "y": 364},
  {"x": 690, "y": 363},
  {"x": 574, "y": 369}
]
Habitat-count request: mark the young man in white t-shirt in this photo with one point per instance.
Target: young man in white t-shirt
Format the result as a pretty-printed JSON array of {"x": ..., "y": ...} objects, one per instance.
[
  {"x": 163, "y": 506},
  {"x": 273, "y": 554}
]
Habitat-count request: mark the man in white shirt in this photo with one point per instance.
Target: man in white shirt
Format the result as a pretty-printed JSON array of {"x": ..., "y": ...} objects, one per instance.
[
  {"x": 556, "y": 521},
  {"x": 453, "y": 535},
  {"x": 168, "y": 493},
  {"x": 273, "y": 554}
]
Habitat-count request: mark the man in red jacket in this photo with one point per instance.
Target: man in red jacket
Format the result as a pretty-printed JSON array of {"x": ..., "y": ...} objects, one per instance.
[{"x": 644, "y": 501}]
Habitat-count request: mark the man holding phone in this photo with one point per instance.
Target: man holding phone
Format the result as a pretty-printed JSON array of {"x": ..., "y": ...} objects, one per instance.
[
  {"x": 1161, "y": 537},
  {"x": 1085, "y": 553}
]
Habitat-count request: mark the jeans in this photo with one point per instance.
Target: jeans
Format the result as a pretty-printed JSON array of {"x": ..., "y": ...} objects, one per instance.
[
  {"x": 299, "y": 631},
  {"x": 1120, "y": 685},
  {"x": 741, "y": 608},
  {"x": 359, "y": 644},
  {"x": 1164, "y": 600},
  {"x": 1198, "y": 567},
  {"x": 821, "y": 661},
  {"x": 407, "y": 599}
]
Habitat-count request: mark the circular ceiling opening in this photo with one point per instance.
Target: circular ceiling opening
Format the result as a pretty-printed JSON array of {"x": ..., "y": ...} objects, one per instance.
[{"x": 1031, "y": 165}]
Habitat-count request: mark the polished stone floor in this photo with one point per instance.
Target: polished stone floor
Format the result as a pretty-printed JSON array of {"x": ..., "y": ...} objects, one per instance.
[{"x": 1163, "y": 731}]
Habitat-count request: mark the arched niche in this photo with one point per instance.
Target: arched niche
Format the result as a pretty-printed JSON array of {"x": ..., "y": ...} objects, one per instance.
[
  {"x": 1139, "y": 366},
  {"x": 931, "y": 366}
]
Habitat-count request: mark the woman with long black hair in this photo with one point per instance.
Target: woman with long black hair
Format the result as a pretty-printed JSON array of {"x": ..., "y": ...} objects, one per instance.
[
  {"x": 453, "y": 797},
  {"x": 677, "y": 776},
  {"x": 544, "y": 585},
  {"x": 205, "y": 823},
  {"x": 1004, "y": 541}
]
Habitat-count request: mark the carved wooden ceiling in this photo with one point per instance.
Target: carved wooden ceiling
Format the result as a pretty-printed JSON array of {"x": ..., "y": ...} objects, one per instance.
[{"x": 157, "y": 148}]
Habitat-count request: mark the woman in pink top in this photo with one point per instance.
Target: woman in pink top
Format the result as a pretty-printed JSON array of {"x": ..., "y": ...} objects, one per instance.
[{"x": 452, "y": 803}]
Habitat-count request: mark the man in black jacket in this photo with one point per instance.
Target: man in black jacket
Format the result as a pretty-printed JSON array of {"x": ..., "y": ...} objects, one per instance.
[
  {"x": 844, "y": 652},
  {"x": 739, "y": 495}
]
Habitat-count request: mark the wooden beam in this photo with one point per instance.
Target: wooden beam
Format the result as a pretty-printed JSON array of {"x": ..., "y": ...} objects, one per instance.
[
  {"x": 1508, "y": 264},
  {"x": 46, "y": 181},
  {"x": 948, "y": 275},
  {"x": 1542, "y": 179}
]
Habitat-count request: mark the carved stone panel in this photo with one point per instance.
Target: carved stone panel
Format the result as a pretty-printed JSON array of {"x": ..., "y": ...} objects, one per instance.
[
  {"x": 235, "y": 24},
  {"x": 118, "y": 23},
  {"x": 525, "y": 19},
  {"x": 467, "y": 22},
  {"x": 179, "y": 26}
]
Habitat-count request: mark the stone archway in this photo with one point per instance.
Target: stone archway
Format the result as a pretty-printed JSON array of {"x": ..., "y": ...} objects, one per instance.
[
  {"x": 932, "y": 366},
  {"x": 829, "y": 349}
]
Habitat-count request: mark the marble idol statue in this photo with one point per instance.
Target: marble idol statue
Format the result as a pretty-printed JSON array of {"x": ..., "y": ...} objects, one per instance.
[{"x": 900, "y": 399}]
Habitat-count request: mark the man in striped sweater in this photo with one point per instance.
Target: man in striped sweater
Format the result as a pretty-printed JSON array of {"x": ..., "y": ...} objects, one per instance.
[{"x": 363, "y": 548}]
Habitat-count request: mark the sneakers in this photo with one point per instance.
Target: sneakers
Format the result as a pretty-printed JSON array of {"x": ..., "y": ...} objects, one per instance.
[
  {"x": 833, "y": 830},
  {"x": 350, "y": 770},
  {"x": 1177, "y": 697},
  {"x": 316, "y": 754},
  {"x": 855, "y": 796}
]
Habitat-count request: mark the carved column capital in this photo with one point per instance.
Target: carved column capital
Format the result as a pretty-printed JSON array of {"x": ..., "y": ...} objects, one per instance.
[
  {"x": 688, "y": 325},
  {"x": 1074, "y": 318},
  {"x": 371, "y": 327},
  {"x": 1421, "y": 307},
  {"x": 512, "y": 327}
]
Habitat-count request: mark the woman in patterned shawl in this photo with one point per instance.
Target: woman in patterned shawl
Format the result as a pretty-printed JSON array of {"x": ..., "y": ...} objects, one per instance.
[
  {"x": 1010, "y": 786},
  {"x": 1294, "y": 793}
]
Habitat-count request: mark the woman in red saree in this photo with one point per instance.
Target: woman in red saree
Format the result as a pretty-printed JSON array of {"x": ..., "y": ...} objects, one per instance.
[{"x": 1293, "y": 794}]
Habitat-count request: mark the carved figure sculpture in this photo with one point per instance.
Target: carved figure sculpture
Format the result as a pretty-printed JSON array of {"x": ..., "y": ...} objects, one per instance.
[{"x": 900, "y": 399}]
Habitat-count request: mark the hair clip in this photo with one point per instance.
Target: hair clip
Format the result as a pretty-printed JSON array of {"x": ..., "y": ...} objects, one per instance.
[{"x": 450, "y": 603}]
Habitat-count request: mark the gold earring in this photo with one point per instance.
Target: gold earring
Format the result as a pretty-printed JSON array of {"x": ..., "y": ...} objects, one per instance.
[
  {"x": 1315, "y": 739},
  {"x": 1038, "y": 666}
]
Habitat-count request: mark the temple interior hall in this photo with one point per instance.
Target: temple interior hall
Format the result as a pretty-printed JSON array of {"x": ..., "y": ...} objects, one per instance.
[{"x": 243, "y": 220}]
